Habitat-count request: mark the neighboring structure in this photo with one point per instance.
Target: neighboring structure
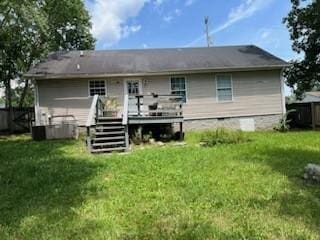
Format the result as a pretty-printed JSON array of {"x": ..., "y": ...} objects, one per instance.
[
  {"x": 307, "y": 111},
  {"x": 310, "y": 97},
  {"x": 232, "y": 86}
]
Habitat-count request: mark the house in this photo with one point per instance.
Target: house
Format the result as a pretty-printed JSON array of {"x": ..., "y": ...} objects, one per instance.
[{"x": 230, "y": 86}]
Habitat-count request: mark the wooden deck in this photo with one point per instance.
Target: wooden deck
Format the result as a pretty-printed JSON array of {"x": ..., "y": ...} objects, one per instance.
[
  {"x": 107, "y": 134},
  {"x": 154, "y": 109}
]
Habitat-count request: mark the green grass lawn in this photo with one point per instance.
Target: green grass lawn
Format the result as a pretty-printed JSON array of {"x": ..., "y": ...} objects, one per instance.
[{"x": 56, "y": 190}]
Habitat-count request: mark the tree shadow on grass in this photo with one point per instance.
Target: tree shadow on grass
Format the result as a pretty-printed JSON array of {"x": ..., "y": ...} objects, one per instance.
[
  {"x": 300, "y": 199},
  {"x": 40, "y": 180}
]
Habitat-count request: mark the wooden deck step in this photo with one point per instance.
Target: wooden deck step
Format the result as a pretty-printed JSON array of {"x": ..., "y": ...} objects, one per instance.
[
  {"x": 110, "y": 128},
  {"x": 108, "y": 138},
  {"x": 108, "y": 144},
  {"x": 108, "y": 123},
  {"x": 109, "y": 133},
  {"x": 117, "y": 149},
  {"x": 110, "y": 119}
]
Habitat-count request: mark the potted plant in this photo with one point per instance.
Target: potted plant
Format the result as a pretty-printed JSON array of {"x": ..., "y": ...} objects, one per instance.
[{"x": 111, "y": 107}]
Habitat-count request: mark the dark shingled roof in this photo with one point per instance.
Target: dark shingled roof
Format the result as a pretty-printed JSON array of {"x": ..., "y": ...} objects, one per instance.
[{"x": 144, "y": 61}]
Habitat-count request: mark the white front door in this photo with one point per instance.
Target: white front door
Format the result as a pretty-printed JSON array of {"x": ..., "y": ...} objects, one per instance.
[{"x": 133, "y": 87}]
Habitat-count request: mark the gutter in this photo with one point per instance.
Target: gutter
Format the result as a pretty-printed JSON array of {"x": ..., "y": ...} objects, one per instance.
[{"x": 169, "y": 72}]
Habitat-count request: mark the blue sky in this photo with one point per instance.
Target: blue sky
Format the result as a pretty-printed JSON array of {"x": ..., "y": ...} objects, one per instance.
[{"x": 119, "y": 24}]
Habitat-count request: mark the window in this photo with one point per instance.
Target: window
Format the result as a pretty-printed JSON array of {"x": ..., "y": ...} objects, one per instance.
[
  {"x": 133, "y": 87},
  {"x": 224, "y": 88},
  {"x": 97, "y": 87},
  {"x": 178, "y": 87}
]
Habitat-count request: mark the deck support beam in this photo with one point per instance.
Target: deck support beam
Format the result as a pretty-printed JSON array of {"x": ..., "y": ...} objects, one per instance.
[{"x": 181, "y": 131}]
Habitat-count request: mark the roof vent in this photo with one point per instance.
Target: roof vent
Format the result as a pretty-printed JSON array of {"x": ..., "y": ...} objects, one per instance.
[{"x": 81, "y": 53}]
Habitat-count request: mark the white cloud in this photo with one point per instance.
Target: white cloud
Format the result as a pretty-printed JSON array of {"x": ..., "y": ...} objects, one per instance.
[
  {"x": 176, "y": 13},
  {"x": 127, "y": 30},
  {"x": 168, "y": 19},
  {"x": 190, "y": 2},
  {"x": 245, "y": 10},
  {"x": 145, "y": 46},
  {"x": 265, "y": 34},
  {"x": 159, "y": 2},
  {"x": 110, "y": 17}
]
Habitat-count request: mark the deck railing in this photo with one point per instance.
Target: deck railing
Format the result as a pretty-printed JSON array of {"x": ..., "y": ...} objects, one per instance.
[
  {"x": 155, "y": 105},
  {"x": 96, "y": 110},
  {"x": 125, "y": 119}
]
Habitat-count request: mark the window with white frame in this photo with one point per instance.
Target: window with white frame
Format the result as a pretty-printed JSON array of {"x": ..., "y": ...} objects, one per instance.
[
  {"x": 97, "y": 87},
  {"x": 224, "y": 87},
  {"x": 178, "y": 87}
]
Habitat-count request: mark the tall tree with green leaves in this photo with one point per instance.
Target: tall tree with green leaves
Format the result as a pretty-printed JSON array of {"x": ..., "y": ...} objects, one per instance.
[
  {"x": 22, "y": 40},
  {"x": 69, "y": 25},
  {"x": 303, "y": 23},
  {"x": 30, "y": 29}
]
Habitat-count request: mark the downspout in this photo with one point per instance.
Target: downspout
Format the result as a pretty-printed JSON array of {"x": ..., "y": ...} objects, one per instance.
[
  {"x": 283, "y": 97},
  {"x": 36, "y": 104}
]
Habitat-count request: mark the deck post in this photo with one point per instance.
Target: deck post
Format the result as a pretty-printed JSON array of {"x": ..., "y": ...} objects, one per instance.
[
  {"x": 88, "y": 140},
  {"x": 126, "y": 129},
  {"x": 140, "y": 132},
  {"x": 138, "y": 105},
  {"x": 181, "y": 131},
  {"x": 88, "y": 131}
]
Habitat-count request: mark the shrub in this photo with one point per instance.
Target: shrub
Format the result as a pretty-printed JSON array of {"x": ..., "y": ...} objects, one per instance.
[
  {"x": 283, "y": 125},
  {"x": 137, "y": 139},
  {"x": 223, "y": 136}
]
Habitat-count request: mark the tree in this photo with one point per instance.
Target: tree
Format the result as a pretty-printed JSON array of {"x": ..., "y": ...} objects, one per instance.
[
  {"x": 68, "y": 28},
  {"x": 2, "y": 102},
  {"x": 22, "y": 35},
  {"x": 30, "y": 29},
  {"x": 303, "y": 23},
  {"x": 69, "y": 25}
]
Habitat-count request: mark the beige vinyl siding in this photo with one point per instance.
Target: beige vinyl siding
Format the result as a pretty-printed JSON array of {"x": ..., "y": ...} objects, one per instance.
[
  {"x": 158, "y": 85},
  {"x": 254, "y": 93},
  {"x": 64, "y": 97},
  {"x": 71, "y": 97}
]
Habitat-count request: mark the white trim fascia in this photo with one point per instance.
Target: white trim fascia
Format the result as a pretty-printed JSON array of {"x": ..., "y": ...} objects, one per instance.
[
  {"x": 283, "y": 97},
  {"x": 37, "y": 104}
]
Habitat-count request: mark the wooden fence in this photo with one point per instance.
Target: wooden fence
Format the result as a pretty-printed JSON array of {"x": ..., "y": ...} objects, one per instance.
[
  {"x": 306, "y": 115},
  {"x": 21, "y": 121}
]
